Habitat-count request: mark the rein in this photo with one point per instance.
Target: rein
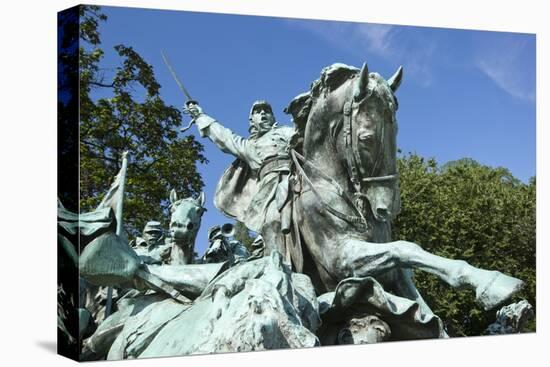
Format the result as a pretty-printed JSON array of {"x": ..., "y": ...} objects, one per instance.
[{"x": 358, "y": 221}]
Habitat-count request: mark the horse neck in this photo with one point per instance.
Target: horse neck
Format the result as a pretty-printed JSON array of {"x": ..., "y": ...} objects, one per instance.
[
  {"x": 182, "y": 252},
  {"x": 320, "y": 151}
]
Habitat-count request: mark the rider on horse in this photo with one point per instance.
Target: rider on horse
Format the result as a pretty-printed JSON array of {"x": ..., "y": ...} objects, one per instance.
[{"x": 254, "y": 189}]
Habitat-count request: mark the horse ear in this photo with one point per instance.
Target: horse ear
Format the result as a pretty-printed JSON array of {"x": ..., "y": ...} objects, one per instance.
[
  {"x": 362, "y": 83},
  {"x": 200, "y": 199},
  {"x": 395, "y": 80},
  {"x": 173, "y": 196}
]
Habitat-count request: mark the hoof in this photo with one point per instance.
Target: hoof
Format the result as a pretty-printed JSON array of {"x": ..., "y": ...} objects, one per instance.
[{"x": 497, "y": 290}]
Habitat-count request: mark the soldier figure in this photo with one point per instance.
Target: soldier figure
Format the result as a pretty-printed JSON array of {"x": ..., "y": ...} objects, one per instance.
[
  {"x": 151, "y": 246},
  {"x": 223, "y": 246},
  {"x": 255, "y": 190}
]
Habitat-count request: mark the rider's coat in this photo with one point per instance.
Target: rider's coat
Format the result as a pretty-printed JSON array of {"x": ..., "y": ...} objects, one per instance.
[{"x": 254, "y": 189}]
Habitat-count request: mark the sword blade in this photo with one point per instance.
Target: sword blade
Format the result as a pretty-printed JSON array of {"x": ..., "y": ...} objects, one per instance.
[{"x": 180, "y": 84}]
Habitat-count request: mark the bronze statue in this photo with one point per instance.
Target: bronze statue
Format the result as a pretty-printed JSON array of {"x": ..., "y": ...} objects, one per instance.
[{"x": 254, "y": 190}]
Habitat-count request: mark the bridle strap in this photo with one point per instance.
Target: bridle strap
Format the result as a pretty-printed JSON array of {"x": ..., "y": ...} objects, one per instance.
[
  {"x": 351, "y": 142},
  {"x": 353, "y": 158},
  {"x": 359, "y": 221},
  {"x": 381, "y": 178}
]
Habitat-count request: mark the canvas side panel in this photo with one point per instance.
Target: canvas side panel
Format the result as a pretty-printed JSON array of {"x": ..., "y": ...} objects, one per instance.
[{"x": 67, "y": 182}]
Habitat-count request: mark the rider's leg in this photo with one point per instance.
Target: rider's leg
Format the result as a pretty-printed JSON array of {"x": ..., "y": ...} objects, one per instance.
[{"x": 271, "y": 232}]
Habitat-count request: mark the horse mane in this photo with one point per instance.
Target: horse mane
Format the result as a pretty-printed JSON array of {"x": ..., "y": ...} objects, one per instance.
[{"x": 332, "y": 77}]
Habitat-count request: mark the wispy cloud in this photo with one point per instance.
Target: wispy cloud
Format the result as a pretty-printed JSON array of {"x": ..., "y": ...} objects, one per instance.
[
  {"x": 507, "y": 59},
  {"x": 504, "y": 63},
  {"x": 377, "y": 38},
  {"x": 389, "y": 42}
]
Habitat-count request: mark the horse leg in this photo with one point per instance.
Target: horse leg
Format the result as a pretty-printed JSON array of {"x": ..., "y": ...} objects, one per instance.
[
  {"x": 405, "y": 287},
  {"x": 401, "y": 281},
  {"x": 360, "y": 258}
]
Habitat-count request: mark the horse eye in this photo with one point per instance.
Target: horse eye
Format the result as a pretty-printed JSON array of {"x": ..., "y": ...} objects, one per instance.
[{"x": 189, "y": 226}]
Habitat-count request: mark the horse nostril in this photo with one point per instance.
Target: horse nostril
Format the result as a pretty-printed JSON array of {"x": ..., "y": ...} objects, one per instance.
[
  {"x": 189, "y": 226},
  {"x": 382, "y": 212}
]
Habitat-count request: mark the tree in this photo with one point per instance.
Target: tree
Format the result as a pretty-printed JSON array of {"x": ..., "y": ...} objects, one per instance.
[
  {"x": 243, "y": 235},
  {"x": 464, "y": 210},
  {"x": 129, "y": 115}
]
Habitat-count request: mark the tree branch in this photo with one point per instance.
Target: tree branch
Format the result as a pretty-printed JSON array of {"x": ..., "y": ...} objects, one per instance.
[
  {"x": 98, "y": 84},
  {"x": 95, "y": 145}
]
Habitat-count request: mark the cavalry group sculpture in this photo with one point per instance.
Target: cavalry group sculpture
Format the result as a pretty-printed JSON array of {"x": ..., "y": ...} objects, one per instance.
[
  {"x": 343, "y": 190},
  {"x": 322, "y": 195}
]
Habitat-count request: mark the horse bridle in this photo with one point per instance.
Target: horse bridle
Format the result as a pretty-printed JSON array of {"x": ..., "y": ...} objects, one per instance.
[{"x": 353, "y": 158}]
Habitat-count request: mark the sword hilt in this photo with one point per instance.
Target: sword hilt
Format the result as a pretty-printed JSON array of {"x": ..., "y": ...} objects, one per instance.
[{"x": 189, "y": 103}]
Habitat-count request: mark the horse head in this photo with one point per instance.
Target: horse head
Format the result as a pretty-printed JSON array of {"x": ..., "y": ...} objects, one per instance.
[
  {"x": 184, "y": 225},
  {"x": 349, "y": 130}
]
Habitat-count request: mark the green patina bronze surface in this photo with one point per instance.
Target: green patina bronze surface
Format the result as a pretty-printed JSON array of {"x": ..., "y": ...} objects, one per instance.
[{"x": 322, "y": 195}]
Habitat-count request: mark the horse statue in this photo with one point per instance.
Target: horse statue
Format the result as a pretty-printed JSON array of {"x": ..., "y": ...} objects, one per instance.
[
  {"x": 346, "y": 192},
  {"x": 184, "y": 225}
]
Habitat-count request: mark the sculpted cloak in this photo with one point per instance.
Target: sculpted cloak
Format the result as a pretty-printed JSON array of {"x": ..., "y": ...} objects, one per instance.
[
  {"x": 235, "y": 190},
  {"x": 254, "y": 189}
]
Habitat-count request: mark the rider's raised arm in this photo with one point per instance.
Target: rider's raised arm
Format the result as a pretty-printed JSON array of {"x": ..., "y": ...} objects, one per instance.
[{"x": 226, "y": 140}]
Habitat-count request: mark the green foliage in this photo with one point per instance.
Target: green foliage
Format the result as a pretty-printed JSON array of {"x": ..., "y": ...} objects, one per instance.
[
  {"x": 242, "y": 234},
  {"x": 464, "y": 210},
  {"x": 125, "y": 112}
]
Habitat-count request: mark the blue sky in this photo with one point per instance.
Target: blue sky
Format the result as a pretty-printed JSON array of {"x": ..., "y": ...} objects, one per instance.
[{"x": 464, "y": 93}]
